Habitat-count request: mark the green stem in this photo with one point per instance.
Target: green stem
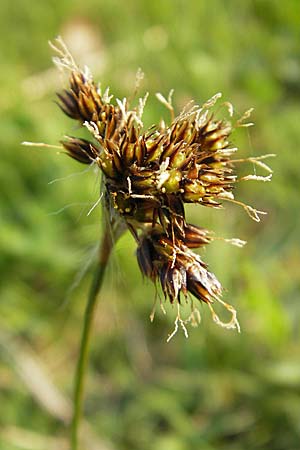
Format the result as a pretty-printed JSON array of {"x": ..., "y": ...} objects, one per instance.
[{"x": 105, "y": 250}]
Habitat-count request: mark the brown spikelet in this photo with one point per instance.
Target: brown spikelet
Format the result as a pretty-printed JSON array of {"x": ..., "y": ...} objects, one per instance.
[{"x": 80, "y": 149}]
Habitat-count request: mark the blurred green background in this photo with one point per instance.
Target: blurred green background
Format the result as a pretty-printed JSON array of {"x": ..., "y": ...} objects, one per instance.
[{"x": 218, "y": 389}]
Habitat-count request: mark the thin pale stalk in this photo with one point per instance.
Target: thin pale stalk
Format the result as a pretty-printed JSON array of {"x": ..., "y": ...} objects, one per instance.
[{"x": 105, "y": 251}]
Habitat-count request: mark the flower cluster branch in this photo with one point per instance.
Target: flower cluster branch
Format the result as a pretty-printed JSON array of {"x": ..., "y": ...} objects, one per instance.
[{"x": 149, "y": 176}]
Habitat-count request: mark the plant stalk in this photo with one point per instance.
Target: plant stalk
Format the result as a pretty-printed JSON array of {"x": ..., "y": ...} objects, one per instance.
[{"x": 104, "y": 253}]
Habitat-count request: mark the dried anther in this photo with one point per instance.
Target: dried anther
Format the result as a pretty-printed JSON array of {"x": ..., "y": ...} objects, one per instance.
[{"x": 150, "y": 175}]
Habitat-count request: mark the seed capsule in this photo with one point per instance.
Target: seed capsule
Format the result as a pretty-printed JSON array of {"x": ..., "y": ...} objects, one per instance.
[
  {"x": 106, "y": 163},
  {"x": 172, "y": 184},
  {"x": 193, "y": 191}
]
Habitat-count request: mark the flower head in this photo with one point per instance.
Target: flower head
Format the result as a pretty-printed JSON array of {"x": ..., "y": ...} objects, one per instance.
[{"x": 150, "y": 175}]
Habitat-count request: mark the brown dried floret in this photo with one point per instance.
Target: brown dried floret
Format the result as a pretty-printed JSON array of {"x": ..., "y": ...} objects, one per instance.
[{"x": 81, "y": 149}]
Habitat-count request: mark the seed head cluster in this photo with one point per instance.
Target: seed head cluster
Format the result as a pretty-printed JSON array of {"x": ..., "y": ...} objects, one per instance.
[{"x": 148, "y": 176}]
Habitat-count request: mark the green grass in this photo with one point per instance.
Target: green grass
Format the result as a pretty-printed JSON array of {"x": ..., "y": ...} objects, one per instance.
[{"x": 218, "y": 390}]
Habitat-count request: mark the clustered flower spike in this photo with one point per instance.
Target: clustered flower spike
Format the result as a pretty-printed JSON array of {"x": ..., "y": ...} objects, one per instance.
[{"x": 150, "y": 175}]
